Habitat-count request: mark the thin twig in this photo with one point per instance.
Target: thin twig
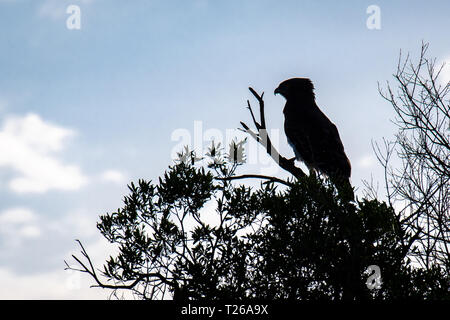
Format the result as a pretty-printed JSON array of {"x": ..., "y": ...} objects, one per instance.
[{"x": 257, "y": 176}]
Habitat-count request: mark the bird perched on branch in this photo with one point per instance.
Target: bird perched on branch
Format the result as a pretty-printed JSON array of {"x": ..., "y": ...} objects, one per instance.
[{"x": 314, "y": 138}]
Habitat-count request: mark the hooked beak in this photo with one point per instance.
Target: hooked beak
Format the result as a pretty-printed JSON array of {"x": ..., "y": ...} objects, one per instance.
[{"x": 277, "y": 90}]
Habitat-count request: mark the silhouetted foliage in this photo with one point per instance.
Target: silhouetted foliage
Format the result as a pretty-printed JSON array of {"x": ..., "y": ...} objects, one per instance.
[{"x": 298, "y": 242}]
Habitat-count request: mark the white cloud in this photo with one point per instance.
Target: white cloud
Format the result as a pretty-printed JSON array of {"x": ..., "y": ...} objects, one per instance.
[
  {"x": 55, "y": 284},
  {"x": 29, "y": 231},
  {"x": 28, "y": 146},
  {"x": 17, "y": 216},
  {"x": 81, "y": 223},
  {"x": 17, "y": 224},
  {"x": 59, "y": 283},
  {"x": 19, "y": 228},
  {"x": 113, "y": 176}
]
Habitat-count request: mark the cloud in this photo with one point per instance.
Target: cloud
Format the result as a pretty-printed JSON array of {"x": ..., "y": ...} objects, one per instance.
[
  {"x": 18, "y": 224},
  {"x": 57, "y": 283},
  {"x": 113, "y": 176},
  {"x": 27, "y": 234},
  {"x": 54, "y": 284},
  {"x": 17, "y": 216},
  {"x": 79, "y": 223},
  {"x": 29, "y": 147}
]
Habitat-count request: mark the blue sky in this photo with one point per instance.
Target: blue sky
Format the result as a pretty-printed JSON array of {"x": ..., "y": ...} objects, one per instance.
[{"x": 83, "y": 112}]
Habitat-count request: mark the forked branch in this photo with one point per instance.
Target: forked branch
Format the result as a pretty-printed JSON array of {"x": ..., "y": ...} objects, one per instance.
[{"x": 263, "y": 138}]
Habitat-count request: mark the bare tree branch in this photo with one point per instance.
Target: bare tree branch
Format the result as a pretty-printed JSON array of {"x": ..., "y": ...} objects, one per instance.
[
  {"x": 263, "y": 138},
  {"x": 422, "y": 145},
  {"x": 258, "y": 176}
]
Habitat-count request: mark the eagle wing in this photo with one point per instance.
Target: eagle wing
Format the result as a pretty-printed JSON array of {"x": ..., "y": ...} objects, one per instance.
[{"x": 316, "y": 141}]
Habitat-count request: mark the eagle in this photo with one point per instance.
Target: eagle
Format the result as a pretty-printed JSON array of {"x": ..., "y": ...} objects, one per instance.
[{"x": 313, "y": 137}]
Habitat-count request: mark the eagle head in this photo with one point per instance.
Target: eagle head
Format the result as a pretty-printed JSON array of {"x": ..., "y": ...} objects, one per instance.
[{"x": 296, "y": 87}]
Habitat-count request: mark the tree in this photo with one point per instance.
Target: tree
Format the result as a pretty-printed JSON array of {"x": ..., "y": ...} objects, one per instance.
[
  {"x": 420, "y": 186},
  {"x": 299, "y": 238}
]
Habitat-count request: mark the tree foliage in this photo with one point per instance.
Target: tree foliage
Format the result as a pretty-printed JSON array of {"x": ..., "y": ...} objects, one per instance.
[{"x": 305, "y": 241}]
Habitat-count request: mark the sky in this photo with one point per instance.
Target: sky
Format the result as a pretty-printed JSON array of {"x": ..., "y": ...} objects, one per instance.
[{"x": 93, "y": 99}]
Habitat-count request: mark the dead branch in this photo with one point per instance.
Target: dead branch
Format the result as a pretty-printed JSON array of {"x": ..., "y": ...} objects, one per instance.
[
  {"x": 263, "y": 138},
  {"x": 257, "y": 176},
  {"x": 422, "y": 146}
]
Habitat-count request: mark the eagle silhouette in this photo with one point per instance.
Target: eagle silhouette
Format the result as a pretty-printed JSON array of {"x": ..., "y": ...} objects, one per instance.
[{"x": 313, "y": 137}]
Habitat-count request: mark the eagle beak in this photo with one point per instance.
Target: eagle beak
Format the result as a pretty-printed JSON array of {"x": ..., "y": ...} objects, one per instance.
[{"x": 277, "y": 90}]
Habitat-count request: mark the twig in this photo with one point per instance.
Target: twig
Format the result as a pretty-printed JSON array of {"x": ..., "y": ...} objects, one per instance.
[
  {"x": 91, "y": 271},
  {"x": 258, "y": 176}
]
